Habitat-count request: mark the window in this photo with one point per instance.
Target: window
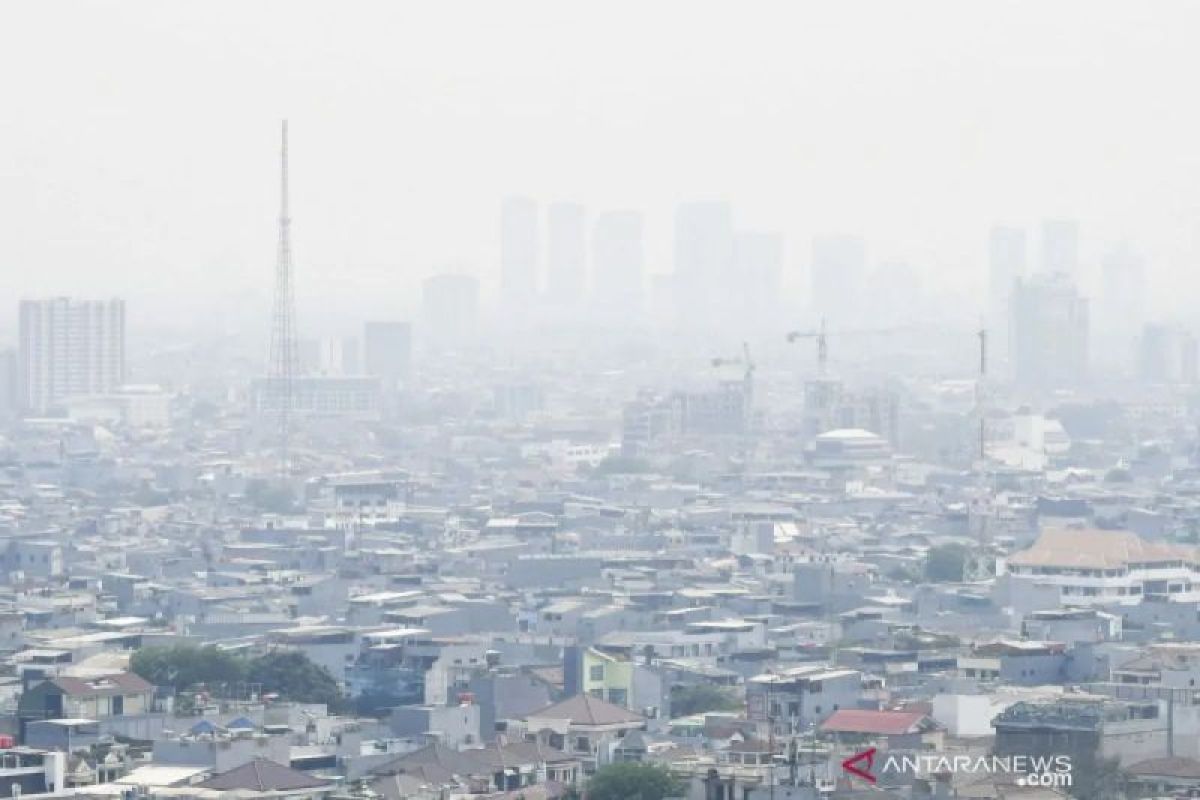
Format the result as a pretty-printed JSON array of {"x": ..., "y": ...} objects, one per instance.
[
  {"x": 581, "y": 744},
  {"x": 596, "y": 672}
]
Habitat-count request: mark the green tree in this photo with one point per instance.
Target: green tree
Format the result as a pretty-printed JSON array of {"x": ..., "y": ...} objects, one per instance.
[
  {"x": 293, "y": 676},
  {"x": 632, "y": 781},
  {"x": 947, "y": 563},
  {"x": 185, "y": 666},
  {"x": 701, "y": 697},
  {"x": 288, "y": 673}
]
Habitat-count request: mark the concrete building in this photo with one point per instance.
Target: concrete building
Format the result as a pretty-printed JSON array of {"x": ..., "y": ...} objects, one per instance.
[
  {"x": 618, "y": 262},
  {"x": 839, "y": 269},
  {"x": 566, "y": 253},
  {"x": 519, "y": 280},
  {"x": 1060, "y": 247},
  {"x": 70, "y": 348},
  {"x": 387, "y": 353},
  {"x": 1050, "y": 332},
  {"x": 1103, "y": 567},
  {"x": 799, "y": 698},
  {"x": 1167, "y": 354},
  {"x": 449, "y": 310}
]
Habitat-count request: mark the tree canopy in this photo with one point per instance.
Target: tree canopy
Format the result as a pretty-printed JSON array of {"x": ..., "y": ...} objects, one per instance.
[
  {"x": 947, "y": 563},
  {"x": 288, "y": 673},
  {"x": 701, "y": 697},
  {"x": 632, "y": 781}
]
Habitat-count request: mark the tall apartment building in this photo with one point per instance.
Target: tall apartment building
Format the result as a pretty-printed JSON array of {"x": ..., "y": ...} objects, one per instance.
[
  {"x": 69, "y": 348},
  {"x": 1049, "y": 331},
  {"x": 387, "y": 352}
]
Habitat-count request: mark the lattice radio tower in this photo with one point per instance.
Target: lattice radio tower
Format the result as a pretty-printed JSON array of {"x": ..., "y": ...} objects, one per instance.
[{"x": 284, "y": 362}]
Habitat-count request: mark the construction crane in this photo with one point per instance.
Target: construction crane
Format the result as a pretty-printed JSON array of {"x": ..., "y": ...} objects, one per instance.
[
  {"x": 822, "y": 334},
  {"x": 744, "y": 359},
  {"x": 822, "y": 344},
  {"x": 747, "y": 362}
]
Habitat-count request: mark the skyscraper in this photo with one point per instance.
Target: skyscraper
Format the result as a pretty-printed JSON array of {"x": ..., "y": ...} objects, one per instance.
[
  {"x": 617, "y": 260},
  {"x": 1049, "y": 331},
  {"x": 518, "y": 249},
  {"x": 758, "y": 265},
  {"x": 387, "y": 352},
  {"x": 69, "y": 348},
  {"x": 1122, "y": 298},
  {"x": 566, "y": 268},
  {"x": 1060, "y": 246},
  {"x": 703, "y": 253},
  {"x": 1007, "y": 254},
  {"x": 1167, "y": 354},
  {"x": 450, "y": 309},
  {"x": 839, "y": 266}
]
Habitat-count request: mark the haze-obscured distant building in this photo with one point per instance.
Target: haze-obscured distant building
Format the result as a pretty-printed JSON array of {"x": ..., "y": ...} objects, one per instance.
[
  {"x": 1122, "y": 309},
  {"x": 839, "y": 266},
  {"x": 703, "y": 252},
  {"x": 566, "y": 253},
  {"x": 387, "y": 352},
  {"x": 1060, "y": 246},
  {"x": 519, "y": 249},
  {"x": 758, "y": 266},
  {"x": 1049, "y": 331},
  {"x": 1167, "y": 354},
  {"x": 10, "y": 384},
  {"x": 1007, "y": 259},
  {"x": 70, "y": 348},
  {"x": 449, "y": 309},
  {"x": 617, "y": 260}
]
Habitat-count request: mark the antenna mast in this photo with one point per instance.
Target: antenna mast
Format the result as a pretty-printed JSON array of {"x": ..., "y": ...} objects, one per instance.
[{"x": 283, "y": 364}]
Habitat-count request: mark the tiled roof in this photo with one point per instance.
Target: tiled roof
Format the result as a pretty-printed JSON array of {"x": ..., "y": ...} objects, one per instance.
[
  {"x": 262, "y": 775},
  {"x": 119, "y": 683},
  {"x": 583, "y": 709},
  {"x": 1097, "y": 549}
]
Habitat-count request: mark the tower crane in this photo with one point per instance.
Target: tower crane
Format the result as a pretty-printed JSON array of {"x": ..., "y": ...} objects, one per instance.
[
  {"x": 746, "y": 361},
  {"x": 822, "y": 344}
]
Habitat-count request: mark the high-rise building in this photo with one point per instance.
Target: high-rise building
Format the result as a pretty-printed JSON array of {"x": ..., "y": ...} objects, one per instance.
[
  {"x": 1167, "y": 354},
  {"x": 519, "y": 249},
  {"x": 758, "y": 265},
  {"x": 10, "y": 383},
  {"x": 1122, "y": 310},
  {"x": 617, "y": 260},
  {"x": 703, "y": 254},
  {"x": 70, "y": 348},
  {"x": 1007, "y": 255},
  {"x": 566, "y": 265},
  {"x": 1060, "y": 246},
  {"x": 387, "y": 352},
  {"x": 839, "y": 266},
  {"x": 351, "y": 357},
  {"x": 1049, "y": 331},
  {"x": 449, "y": 309}
]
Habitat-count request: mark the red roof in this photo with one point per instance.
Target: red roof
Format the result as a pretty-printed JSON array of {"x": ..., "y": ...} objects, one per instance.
[{"x": 880, "y": 723}]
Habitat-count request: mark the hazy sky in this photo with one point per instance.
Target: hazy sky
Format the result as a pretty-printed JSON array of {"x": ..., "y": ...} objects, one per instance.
[{"x": 138, "y": 139}]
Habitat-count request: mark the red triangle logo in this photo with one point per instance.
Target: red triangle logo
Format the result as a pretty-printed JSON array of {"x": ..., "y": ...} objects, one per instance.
[{"x": 854, "y": 765}]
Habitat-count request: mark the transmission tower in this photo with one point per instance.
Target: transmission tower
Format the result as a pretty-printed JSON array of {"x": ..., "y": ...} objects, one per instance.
[{"x": 284, "y": 363}]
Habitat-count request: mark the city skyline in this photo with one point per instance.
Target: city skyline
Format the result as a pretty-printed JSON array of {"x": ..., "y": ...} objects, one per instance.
[{"x": 377, "y": 208}]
